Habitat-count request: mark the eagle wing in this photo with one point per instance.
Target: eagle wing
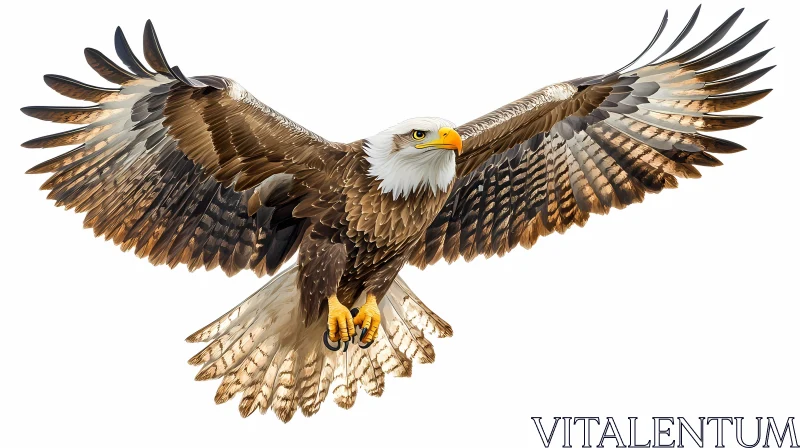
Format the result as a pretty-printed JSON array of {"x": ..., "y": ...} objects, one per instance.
[
  {"x": 167, "y": 165},
  {"x": 548, "y": 160}
]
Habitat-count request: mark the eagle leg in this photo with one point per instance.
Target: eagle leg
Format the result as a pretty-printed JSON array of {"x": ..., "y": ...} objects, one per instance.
[
  {"x": 340, "y": 324},
  {"x": 368, "y": 318}
]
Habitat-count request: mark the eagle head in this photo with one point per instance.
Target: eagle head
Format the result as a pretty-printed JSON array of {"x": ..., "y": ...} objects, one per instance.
[{"x": 413, "y": 155}]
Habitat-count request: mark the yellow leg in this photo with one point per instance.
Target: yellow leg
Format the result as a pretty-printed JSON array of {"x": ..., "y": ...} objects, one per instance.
[
  {"x": 369, "y": 318},
  {"x": 340, "y": 322}
]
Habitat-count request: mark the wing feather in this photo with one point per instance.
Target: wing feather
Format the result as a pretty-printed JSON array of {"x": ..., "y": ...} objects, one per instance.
[
  {"x": 709, "y": 41},
  {"x": 682, "y": 35},
  {"x": 126, "y": 55},
  {"x": 106, "y": 68}
]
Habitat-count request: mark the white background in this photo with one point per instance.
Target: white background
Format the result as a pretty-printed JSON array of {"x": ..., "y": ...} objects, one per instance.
[{"x": 685, "y": 305}]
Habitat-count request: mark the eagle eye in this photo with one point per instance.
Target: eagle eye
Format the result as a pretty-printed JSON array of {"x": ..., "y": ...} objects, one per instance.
[{"x": 417, "y": 134}]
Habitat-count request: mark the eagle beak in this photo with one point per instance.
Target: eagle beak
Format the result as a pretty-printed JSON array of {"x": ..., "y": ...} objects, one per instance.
[{"x": 448, "y": 139}]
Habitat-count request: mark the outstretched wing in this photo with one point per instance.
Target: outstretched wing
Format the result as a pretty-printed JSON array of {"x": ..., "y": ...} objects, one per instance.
[
  {"x": 167, "y": 164},
  {"x": 548, "y": 160}
]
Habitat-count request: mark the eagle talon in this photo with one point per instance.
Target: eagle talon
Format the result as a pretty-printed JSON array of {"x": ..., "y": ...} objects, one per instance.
[
  {"x": 327, "y": 343},
  {"x": 369, "y": 319},
  {"x": 354, "y": 312},
  {"x": 361, "y": 337},
  {"x": 367, "y": 345}
]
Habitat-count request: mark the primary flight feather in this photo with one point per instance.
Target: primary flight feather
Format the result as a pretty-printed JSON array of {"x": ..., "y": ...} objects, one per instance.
[{"x": 195, "y": 170}]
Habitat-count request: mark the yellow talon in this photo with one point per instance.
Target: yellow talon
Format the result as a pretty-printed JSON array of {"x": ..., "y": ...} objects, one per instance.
[
  {"x": 369, "y": 318},
  {"x": 340, "y": 322}
]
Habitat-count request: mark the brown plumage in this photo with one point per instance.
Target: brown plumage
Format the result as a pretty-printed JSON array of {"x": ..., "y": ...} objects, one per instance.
[
  {"x": 548, "y": 160},
  {"x": 196, "y": 171}
]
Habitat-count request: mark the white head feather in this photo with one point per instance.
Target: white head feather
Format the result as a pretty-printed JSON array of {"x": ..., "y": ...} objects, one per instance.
[{"x": 404, "y": 170}]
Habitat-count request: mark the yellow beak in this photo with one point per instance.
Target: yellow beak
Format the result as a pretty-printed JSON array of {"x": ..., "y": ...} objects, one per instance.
[{"x": 448, "y": 139}]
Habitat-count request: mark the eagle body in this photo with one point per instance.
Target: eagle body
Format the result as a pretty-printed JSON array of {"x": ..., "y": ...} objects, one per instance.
[
  {"x": 359, "y": 236},
  {"x": 197, "y": 171}
]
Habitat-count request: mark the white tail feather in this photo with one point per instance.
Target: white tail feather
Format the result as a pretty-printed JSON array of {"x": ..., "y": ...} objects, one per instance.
[{"x": 263, "y": 349}]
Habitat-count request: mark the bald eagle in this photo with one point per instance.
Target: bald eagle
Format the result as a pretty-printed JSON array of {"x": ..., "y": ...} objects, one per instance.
[{"x": 196, "y": 171}]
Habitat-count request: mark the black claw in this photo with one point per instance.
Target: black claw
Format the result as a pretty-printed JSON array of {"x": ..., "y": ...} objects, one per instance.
[
  {"x": 354, "y": 313},
  {"x": 328, "y": 345},
  {"x": 363, "y": 334},
  {"x": 346, "y": 343}
]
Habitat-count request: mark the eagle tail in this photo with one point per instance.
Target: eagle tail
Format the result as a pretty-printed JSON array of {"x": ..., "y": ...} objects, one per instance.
[{"x": 262, "y": 349}]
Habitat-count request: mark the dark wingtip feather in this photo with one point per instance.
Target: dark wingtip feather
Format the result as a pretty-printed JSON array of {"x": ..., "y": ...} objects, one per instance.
[
  {"x": 58, "y": 114},
  {"x": 35, "y": 111},
  {"x": 660, "y": 30},
  {"x": 184, "y": 79},
  {"x": 725, "y": 122},
  {"x": 726, "y": 51},
  {"x": 709, "y": 41},
  {"x": 721, "y": 146},
  {"x": 731, "y": 69},
  {"x": 106, "y": 68},
  {"x": 33, "y": 143},
  {"x": 78, "y": 90},
  {"x": 682, "y": 35},
  {"x": 38, "y": 169},
  {"x": 57, "y": 162},
  {"x": 127, "y": 56},
  {"x": 730, "y": 101},
  {"x": 71, "y": 137},
  {"x": 153, "y": 53},
  {"x": 751, "y": 97},
  {"x": 736, "y": 83}
]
